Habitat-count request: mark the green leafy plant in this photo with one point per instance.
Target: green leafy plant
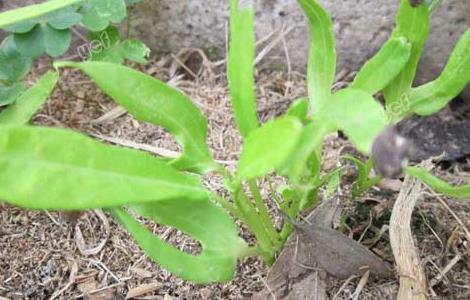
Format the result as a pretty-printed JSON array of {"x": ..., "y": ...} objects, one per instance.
[
  {"x": 364, "y": 169},
  {"x": 111, "y": 49},
  {"x": 46, "y": 29},
  {"x": 58, "y": 169}
]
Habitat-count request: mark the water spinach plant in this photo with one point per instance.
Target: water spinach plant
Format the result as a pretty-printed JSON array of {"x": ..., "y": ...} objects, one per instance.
[{"x": 58, "y": 169}]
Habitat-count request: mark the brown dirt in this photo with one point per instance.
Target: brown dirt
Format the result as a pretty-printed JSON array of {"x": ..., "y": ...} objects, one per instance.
[{"x": 39, "y": 257}]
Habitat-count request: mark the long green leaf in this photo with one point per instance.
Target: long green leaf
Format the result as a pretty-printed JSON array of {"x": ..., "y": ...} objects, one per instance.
[
  {"x": 268, "y": 147},
  {"x": 412, "y": 24},
  {"x": 310, "y": 143},
  {"x": 433, "y": 96},
  {"x": 240, "y": 65},
  {"x": 381, "y": 69},
  {"x": 151, "y": 100},
  {"x": 439, "y": 185},
  {"x": 299, "y": 109},
  {"x": 33, "y": 11},
  {"x": 201, "y": 220},
  {"x": 50, "y": 168},
  {"x": 30, "y": 101},
  {"x": 322, "y": 55},
  {"x": 359, "y": 115}
]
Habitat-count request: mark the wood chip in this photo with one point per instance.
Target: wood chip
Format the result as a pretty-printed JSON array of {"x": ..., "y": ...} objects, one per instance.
[
  {"x": 142, "y": 273},
  {"x": 87, "y": 286},
  {"x": 143, "y": 289}
]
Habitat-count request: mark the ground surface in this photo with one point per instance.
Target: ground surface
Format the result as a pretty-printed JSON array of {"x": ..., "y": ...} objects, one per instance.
[{"x": 43, "y": 257}]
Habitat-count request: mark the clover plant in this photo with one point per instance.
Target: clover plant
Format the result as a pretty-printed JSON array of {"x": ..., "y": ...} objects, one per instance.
[
  {"x": 46, "y": 29},
  {"x": 58, "y": 169}
]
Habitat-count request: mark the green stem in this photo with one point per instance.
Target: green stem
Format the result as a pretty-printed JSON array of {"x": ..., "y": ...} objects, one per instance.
[
  {"x": 252, "y": 221},
  {"x": 286, "y": 231},
  {"x": 232, "y": 209},
  {"x": 252, "y": 251},
  {"x": 263, "y": 212},
  {"x": 221, "y": 170},
  {"x": 128, "y": 24}
]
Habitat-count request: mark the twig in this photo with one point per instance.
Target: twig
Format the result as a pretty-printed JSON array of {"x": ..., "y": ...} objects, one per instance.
[
  {"x": 360, "y": 286},
  {"x": 114, "y": 113},
  {"x": 52, "y": 218},
  {"x": 444, "y": 203},
  {"x": 289, "y": 64},
  {"x": 343, "y": 286},
  {"x": 273, "y": 44},
  {"x": 103, "y": 288},
  {"x": 413, "y": 284},
  {"x": 273, "y": 295},
  {"x": 184, "y": 66},
  {"x": 446, "y": 270},
  {"x": 102, "y": 266},
  {"x": 148, "y": 148}
]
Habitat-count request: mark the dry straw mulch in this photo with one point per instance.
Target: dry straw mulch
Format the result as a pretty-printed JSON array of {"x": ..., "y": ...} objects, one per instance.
[{"x": 43, "y": 257}]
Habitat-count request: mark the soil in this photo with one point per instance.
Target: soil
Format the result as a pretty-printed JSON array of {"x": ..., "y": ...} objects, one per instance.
[{"x": 42, "y": 256}]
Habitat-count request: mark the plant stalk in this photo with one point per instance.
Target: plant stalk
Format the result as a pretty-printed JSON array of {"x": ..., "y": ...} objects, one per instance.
[
  {"x": 263, "y": 212},
  {"x": 252, "y": 221},
  {"x": 232, "y": 209}
]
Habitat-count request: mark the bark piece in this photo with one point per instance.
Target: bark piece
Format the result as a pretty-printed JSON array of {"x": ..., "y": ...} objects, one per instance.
[{"x": 413, "y": 284}]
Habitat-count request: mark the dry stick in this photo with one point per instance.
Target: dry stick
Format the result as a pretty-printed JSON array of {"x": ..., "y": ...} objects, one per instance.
[
  {"x": 266, "y": 285},
  {"x": 444, "y": 203},
  {"x": 343, "y": 286},
  {"x": 149, "y": 148},
  {"x": 446, "y": 270},
  {"x": 413, "y": 283},
  {"x": 362, "y": 283},
  {"x": 273, "y": 44}
]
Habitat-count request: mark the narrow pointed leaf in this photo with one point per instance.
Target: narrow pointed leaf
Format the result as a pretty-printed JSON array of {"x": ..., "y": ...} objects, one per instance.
[
  {"x": 30, "y": 101},
  {"x": 412, "y": 23},
  {"x": 268, "y": 147},
  {"x": 322, "y": 56},
  {"x": 240, "y": 65},
  {"x": 50, "y": 168},
  {"x": 151, "y": 100},
  {"x": 433, "y": 96},
  {"x": 201, "y": 220},
  {"x": 33, "y": 11},
  {"x": 439, "y": 185},
  {"x": 377, "y": 73}
]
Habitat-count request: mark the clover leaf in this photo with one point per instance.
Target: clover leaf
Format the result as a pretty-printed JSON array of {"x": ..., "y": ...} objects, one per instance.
[
  {"x": 9, "y": 92},
  {"x": 13, "y": 65},
  {"x": 98, "y": 14},
  {"x": 49, "y": 33},
  {"x": 13, "y": 68},
  {"x": 107, "y": 46}
]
